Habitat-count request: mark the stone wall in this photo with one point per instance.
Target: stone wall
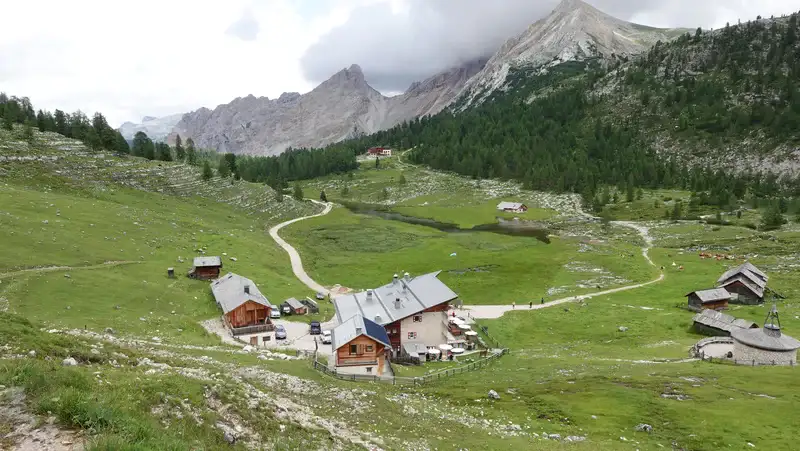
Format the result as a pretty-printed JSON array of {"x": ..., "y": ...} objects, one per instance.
[{"x": 745, "y": 355}]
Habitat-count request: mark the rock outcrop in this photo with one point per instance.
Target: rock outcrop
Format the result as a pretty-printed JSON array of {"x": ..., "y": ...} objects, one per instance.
[
  {"x": 156, "y": 128},
  {"x": 342, "y": 107},
  {"x": 574, "y": 31}
]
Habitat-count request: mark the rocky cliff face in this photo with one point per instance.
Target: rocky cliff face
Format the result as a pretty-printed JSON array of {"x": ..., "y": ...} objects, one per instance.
[
  {"x": 342, "y": 107},
  {"x": 157, "y": 128},
  {"x": 574, "y": 31}
]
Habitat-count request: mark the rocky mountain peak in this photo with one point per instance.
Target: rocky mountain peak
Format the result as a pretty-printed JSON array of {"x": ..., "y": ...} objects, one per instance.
[{"x": 567, "y": 6}]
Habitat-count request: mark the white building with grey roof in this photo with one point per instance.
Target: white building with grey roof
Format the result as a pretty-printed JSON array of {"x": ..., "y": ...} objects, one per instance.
[
  {"x": 765, "y": 346},
  {"x": 413, "y": 310}
]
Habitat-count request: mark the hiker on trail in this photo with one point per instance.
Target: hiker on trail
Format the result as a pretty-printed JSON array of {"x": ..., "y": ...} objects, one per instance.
[
  {"x": 513, "y": 305},
  {"x": 530, "y": 304},
  {"x": 542, "y": 301}
]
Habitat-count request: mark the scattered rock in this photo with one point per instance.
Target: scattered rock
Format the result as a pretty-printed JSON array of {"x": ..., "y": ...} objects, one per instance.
[
  {"x": 554, "y": 436},
  {"x": 575, "y": 438},
  {"x": 643, "y": 427},
  {"x": 141, "y": 318},
  {"x": 45, "y": 222},
  {"x": 751, "y": 445},
  {"x": 69, "y": 361},
  {"x": 594, "y": 417},
  {"x": 110, "y": 331},
  {"x": 283, "y": 428},
  {"x": 493, "y": 395},
  {"x": 31, "y": 353},
  {"x": 67, "y": 276},
  {"x": 623, "y": 329},
  {"x": 229, "y": 438},
  {"x": 95, "y": 352},
  {"x": 248, "y": 348},
  {"x": 233, "y": 259}
]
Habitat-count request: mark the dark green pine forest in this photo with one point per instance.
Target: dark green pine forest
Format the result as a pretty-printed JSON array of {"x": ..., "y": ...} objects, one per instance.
[{"x": 650, "y": 122}]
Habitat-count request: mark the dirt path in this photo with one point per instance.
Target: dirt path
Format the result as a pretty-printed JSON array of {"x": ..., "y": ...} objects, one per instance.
[
  {"x": 496, "y": 311},
  {"x": 294, "y": 256},
  {"x": 64, "y": 268}
]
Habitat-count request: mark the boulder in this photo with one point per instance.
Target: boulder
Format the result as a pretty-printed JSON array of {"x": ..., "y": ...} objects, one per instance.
[
  {"x": 643, "y": 427},
  {"x": 623, "y": 329},
  {"x": 69, "y": 361},
  {"x": 229, "y": 438},
  {"x": 109, "y": 331},
  {"x": 493, "y": 395},
  {"x": 248, "y": 348},
  {"x": 575, "y": 438}
]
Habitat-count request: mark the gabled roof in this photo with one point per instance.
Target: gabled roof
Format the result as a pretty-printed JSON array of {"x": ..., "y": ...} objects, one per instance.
[
  {"x": 382, "y": 306},
  {"x": 229, "y": 292},
  {"x": 722, "y": 321},
  {"x": 713, "y": 295},
  {"x": 202, "y": 262},
  {"x": 355, "y": 327},
  {"x": 748, "y": 270},
  {"x": 509, "y": 206},
  {"x": 747, "y": 282},
  {"x": 294, "y": 303}
]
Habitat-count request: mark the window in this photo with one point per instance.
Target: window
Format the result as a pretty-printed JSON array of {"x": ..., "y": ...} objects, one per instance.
[
  {"x": 412, "y": 335},
  {"x": 417, "y": 318},
  {"x": 369, "y": 348},
  {"x": 353, "y": 349},
  {"x": 369, "y": 370}
]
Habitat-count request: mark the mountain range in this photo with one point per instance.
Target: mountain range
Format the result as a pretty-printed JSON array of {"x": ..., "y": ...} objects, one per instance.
[
  {"x": 157, "y": 128},
  {"x": 346, "y": 106}
]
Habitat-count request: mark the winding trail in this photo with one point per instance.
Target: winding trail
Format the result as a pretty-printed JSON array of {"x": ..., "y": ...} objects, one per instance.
[
  {"x": 496, "y": 311},
  {"x": 294, "y": 256},
  {"x": 65, "y": 268}
]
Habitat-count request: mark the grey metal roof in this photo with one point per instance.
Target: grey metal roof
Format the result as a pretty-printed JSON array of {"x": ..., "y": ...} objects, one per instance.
[
  {"x": 746, "y": 281},
  {"x": 294, "y": 303},
  {"x": 509, "y": 206},
  {"x": 356, "y": 326},
  {"x": 229, "y": 292},
  {"x": 415, "y": 295},
  {"x": 722, "y": 321},
  {"x": 762, "y": 339},
  {"x": 201, "y": 262},
  {"x": 713, "y": 295},
  {"x": 414, "y": 349},
  {"x": 747, "y": 269}
]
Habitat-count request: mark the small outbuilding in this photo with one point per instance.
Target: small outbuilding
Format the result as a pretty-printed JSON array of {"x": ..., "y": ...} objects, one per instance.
[
  {"x": 765, "y": 346},
  {"x": 296, "y": 307},
  {"x": 714, "y": 299},
  {"x": 206, "y": 268},
  {"x": 359, "y": 347},
  {"x": 245, "y": 310},
  {"x": 714, "y": 323},
  {"x": 512, "y": 207}
]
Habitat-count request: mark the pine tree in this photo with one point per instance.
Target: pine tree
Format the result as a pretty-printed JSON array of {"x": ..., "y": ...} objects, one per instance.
[
  {"x": 121, "y": 145},
  {"x": 402, "y": 180},
  {"x": 322, "y": 196},
  {"x": 772, "y": 218},
  {"x": 297, "y": 193},
  {"x": 385, "y": 193},
  {"x": 163, "y": 152},
  {"x": 345, "y": 191},
  {"x": 278, "y": 196},
  {"x": 8, "y": 123},
  {"x": 639, "y": 194},
  {"x": 180, "y": 153},
  {"x": 207, "y": 172},
  {"x": 27, "y": 131},
  {"x": 191, "y": 155},
  {"x": 92, "y": 139},
  {"x": 223, "y": 169},
  {"x": 61, "y": 123}
]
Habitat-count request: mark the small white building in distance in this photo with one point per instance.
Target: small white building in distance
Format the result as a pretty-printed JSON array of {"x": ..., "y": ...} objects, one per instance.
[{"x": 512, "y": 207}]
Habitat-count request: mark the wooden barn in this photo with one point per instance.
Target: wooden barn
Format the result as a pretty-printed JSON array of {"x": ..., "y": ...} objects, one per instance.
[
  {"x": 714, "y": 299},
  {"x": 710, "y": 322},
  {"x": 206, "y": 268},
  {"x": 746, "y": 283},
  {"x": 359, "y": 347},
  {"x": 244, "y": 308}
]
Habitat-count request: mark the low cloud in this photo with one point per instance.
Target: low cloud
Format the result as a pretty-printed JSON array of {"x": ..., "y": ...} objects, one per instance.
[
  {"x": 245, "y": 28},
  {"x": 401, "y": 42}
]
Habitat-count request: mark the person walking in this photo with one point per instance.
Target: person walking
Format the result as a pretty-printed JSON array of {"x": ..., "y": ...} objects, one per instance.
[
  {"x": 542, "y": 300},
  {"x": 513, "y": 305},
  {"x": 530, "y": 304}
]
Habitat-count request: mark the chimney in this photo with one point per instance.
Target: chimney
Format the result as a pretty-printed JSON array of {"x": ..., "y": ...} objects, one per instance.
[
  {"x": 394, "y": 279},
  {"x": 397, "y": 303},
  {"x": 247, "y": 289},
  {"x": 378, "y": 319},
  {"x": 407, "y": 277},
  {"x": 369, "y": 295},
  {"x": 359, "y": 331}
]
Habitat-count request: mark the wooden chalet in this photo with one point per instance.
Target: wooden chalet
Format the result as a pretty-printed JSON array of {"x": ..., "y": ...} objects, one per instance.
[
  {"x": 746, "y": 283},
  {"x": 206, "y": 268},
  {"x": 512, "y": 207},
  {"x": 714, "y": 299},
  {"x": 245, "y": 310},
  {"x": 359, "y": 346}
]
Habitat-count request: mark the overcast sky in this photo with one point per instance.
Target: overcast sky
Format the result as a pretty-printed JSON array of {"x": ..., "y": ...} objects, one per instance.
[{"x": 159, "y": 57}]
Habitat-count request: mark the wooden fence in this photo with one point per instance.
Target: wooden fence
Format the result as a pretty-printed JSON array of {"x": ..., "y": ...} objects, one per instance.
[{"x": 419, "y": 380}]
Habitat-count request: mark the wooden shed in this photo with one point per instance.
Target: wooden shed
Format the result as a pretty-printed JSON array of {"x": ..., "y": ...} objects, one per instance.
[
  {"x": 206, "y": 268},
  {"x": 714, "y": 299},
  {"x": 296, "y": 307},
  {"x": 244, "y": 308}
]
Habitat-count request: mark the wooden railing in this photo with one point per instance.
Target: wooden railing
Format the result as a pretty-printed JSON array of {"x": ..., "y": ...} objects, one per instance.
[{"x": 257, "y": 329}]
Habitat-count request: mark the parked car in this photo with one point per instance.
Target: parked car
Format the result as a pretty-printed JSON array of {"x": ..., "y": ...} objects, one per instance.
[
  {"x": 280, "y": 332},
  {"x": 275, "y": 313},
  {"x": 316, "y": 329},
  {"x": 286, "y": 309},
  {"x": 326, "y": 337},
  {"x": 320, "y": 296}
]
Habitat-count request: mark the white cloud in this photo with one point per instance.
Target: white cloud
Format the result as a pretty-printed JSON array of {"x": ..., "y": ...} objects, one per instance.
[{"x": 156, "y": 57}]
